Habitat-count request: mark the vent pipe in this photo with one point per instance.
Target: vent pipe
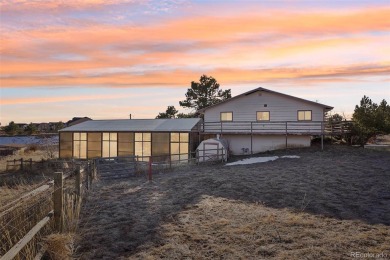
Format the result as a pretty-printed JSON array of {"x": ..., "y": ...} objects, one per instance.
[{"x": 130, "y": 116}]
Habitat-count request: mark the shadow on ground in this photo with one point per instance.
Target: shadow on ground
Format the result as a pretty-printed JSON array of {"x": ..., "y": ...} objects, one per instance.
[{"x": 122, "y": 217}]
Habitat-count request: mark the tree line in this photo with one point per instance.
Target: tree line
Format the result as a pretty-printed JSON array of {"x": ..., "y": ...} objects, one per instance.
[{"x": 14, "y": 129}]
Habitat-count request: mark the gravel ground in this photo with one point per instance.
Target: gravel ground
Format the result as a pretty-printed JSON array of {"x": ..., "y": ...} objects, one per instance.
[{"x": 122, "y": 218}]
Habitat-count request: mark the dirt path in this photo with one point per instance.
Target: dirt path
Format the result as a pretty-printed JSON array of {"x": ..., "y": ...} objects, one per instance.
[{"x": 124, "y": 217}]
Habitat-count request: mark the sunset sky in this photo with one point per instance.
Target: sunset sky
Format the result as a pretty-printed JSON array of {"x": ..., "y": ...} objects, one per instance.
[{"x": 106, "y": 59}]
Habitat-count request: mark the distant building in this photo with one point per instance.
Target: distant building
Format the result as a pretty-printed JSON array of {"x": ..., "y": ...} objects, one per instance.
[
  {"x": 44, "y": 127},
  {"x": 21, "y": 125}
]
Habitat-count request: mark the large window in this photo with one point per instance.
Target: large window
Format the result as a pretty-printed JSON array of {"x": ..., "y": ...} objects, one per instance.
[
  {"x": 110, "y": 144},
  {"x": 226, "y": 116},
  {"x": 262, "y": 116},
  {"x": 65, "y": 145},
  {"x": 80, "y": 145},
  {"x": 125, "y": 144},
  {"x": 304, "y": 115},
  {"x": 179, "y": 146},
  {"x": 160, "y": 146},
  {"x": 94, "y": 145},
  {"x": 142, "y": 145}
]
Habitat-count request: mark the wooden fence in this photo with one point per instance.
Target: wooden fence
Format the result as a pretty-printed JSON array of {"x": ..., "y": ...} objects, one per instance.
[
  {"x": 56, "y": 212},
  {"x": 29, "y": 164}
]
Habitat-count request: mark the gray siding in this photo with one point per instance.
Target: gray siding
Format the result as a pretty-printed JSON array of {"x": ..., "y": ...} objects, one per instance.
[{"x": 281, "y": 108}]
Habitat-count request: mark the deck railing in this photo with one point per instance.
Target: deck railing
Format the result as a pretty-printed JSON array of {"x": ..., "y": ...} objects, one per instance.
[{"x": 274, "y": 127}]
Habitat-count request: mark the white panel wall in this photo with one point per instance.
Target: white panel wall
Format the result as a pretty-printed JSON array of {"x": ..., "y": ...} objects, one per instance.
[
  {"x": 263, "y": 143},
  {"x": 281, "y": 108}
]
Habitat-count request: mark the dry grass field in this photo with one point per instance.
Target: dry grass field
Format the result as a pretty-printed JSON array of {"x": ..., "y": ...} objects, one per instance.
[
  {"x": 324, "y": 205},
  {"x": 14, "y": 183}
]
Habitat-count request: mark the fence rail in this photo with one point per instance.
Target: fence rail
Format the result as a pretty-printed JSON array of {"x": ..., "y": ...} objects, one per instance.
[{"x": 29, "y": 164}]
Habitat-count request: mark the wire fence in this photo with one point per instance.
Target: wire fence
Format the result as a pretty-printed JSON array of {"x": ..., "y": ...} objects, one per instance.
[
  {"x": 26, "y": 222},
  {"x": 133, "y": 166}
]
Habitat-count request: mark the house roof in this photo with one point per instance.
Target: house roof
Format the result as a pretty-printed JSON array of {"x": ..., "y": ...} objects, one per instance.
[
  {"x": 269, "y": 91},
  {"x": 135, "y": 125}
]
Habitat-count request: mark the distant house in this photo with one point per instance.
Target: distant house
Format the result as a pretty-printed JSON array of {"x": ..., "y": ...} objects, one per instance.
[
  {"x": 77, "y": 120},
  {"x": 164, "y": 138},
  {"x": 21, "y": 125},
  {"x": 44, "y": 127},
  {"x": 262, "y": 119}
]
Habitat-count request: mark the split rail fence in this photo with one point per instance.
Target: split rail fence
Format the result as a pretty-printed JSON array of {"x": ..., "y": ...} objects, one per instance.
[{"x": 26, "y": 221}]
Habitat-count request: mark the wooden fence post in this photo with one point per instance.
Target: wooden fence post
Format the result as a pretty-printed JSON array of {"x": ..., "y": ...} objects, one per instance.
[
  {"x": 94, "y": 171},
  {"x": 87, "y": 175},
  {"x": 87, "y": 180},
  {"x": 21, "y": 163},
  {"x": 78, "y": 181},
  {"x": 136, "y": 164},
  {"x": 30, "y": 164},
  {"x": 58, "y": 201},
  {"x": 150, "y": 168}
]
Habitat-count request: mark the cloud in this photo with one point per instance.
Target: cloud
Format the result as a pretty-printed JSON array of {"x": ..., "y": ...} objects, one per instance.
[
  {"x": 240, "y": 47},
  {"x": 61, "y": 5},
  {"x": 39, "y": 100},
  {"x": 176, "y": 78}
]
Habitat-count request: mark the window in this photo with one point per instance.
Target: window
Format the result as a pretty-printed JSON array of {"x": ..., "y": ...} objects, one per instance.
[
  {"x": 160, "y": 146},
  {"x": 304, "y": 115},
  {"x": 94, "y": 145},
  {"x": 65, "y": 145},
  {"x": 110, "y": 144},
  {"x": 142, "y": 145},
  {"x": 179, "y": 146},
  {"x": 262, "y": 116},
  {"x": 80, "y": 145},
  {"x": 226, "y": 116},
  {"x": 125, "y": 144}
]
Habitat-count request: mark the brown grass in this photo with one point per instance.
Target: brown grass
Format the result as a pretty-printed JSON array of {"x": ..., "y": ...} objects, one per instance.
[
  {"x": 60, "y": 246},
  {"x": 9, "y": 193},
  {"x": 15, "y": 224},
  {"x": 219, "y": 228}
]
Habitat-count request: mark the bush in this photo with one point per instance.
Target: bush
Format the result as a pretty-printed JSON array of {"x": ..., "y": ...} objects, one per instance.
[{"x": 370, "y": 119}]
